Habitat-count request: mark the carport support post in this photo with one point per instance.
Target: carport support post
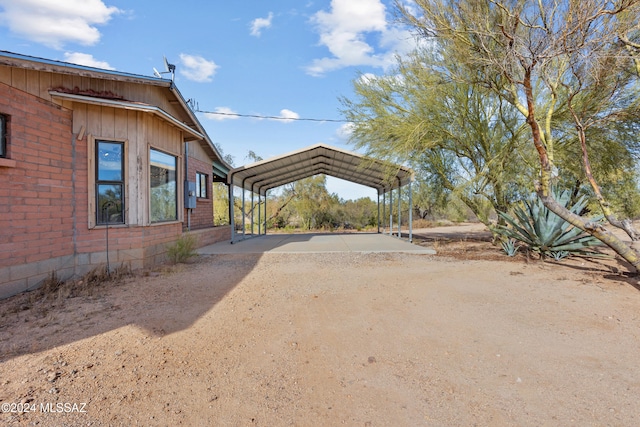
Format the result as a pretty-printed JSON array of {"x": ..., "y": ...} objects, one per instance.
[
  {"x": 391, "y": 212},
  {"x": 252, "y": 209},
  {"x": 399, "y": 210},
  {"x": 243, "y": 220},
  {"x": 232, "y": 221},
  {"x": 378, "y": 212},
  {"x": 384, "y": 207},
  {"x": 259, "y": 217},
  {"x": 265, "y": 213},
  {"x": 410, "y": 213}
]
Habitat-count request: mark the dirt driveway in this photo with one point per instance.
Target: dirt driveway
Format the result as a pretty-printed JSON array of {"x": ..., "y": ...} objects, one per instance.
[{"x": 330, "y": 339}]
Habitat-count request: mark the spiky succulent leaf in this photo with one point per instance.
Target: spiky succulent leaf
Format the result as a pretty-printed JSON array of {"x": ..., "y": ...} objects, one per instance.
[{"x": 545, "y": 232}]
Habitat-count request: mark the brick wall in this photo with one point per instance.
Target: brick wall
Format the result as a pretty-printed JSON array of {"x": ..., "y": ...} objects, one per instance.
[
  {"x": 36, "y": 196},
  {"x": 44, "y": 203},
  {"x": 202, "y": 215}
]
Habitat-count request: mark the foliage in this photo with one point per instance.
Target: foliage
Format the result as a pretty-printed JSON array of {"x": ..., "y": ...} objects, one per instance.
[
  {"x": 163, "y": 202},
  {"x": 182, "y": 249},
  {"x": 571, "y": 71},
  {"x": 220, "y": 195},
  {"x": 509, "y": 247},
  {"x": 545, "y": 232},
  {"x": 459, "y": 137}
]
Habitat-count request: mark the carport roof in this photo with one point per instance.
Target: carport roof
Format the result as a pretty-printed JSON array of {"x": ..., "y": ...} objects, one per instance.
[{"x": 264, "y": 175}]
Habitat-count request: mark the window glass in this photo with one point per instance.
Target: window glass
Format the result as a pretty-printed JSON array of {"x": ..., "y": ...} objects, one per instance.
[
  {"x": 109, "y": 203},
  {"x": 109, "y": 161},
  {"x": 3, "y": 136},
  {"x": 109, "y": 182},
  {"x": 201, "y": 185},
  {"x": 164, "y": 194}
]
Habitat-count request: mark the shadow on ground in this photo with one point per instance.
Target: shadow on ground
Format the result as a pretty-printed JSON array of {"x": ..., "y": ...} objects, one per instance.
[{"x": 163, "y": 301}]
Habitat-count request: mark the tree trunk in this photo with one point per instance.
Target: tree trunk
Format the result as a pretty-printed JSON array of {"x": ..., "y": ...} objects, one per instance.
[
  {"x": 592, "y": 228},
  {"x": 543, "y": 189}
]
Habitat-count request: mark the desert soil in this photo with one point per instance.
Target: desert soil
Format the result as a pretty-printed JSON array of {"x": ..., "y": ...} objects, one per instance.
[{"x": 465, "y": 337}]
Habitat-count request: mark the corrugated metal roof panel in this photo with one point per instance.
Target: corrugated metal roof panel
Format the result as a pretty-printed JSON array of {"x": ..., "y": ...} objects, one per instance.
[{"x": 264, "y": 175}]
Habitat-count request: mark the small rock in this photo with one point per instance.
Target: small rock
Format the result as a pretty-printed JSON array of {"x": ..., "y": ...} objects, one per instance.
[
  {"x": 371, "y": 359},
  {"x": 54, "y": 390}
]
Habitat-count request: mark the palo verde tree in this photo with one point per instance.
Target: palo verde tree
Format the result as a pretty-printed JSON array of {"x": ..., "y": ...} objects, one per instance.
[
  {"x": 544, "y": 56},
  {"x": 458, "y": 136}
]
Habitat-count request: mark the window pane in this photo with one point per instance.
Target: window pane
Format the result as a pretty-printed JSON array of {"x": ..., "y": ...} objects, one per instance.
[
  {"x": 3, "y": 136},
  {"x": 109, "y": 203},
  {"x": 164, "y": 195},
  {"x": 109, "y": 161},
  {"x": 201, "y": 185}
]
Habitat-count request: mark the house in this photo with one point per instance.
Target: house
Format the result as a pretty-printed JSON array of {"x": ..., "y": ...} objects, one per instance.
[{"x": 86, "y": 153}]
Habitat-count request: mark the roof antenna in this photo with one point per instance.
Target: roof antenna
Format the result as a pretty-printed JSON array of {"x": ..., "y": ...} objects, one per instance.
[{"x": 169, "y": 69}]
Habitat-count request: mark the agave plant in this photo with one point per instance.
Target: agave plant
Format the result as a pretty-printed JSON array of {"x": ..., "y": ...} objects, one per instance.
[
  {"x": 546, "y": 233},
  {"x": 509, "y": 247}
]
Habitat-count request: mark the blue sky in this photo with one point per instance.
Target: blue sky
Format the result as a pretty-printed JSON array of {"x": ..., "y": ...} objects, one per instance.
[{"x": 285, "y": 58}]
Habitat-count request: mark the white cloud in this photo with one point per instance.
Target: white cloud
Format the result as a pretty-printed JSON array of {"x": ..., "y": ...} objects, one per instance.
[
  {"x": 223, "y": 113},
  {"x": 197, "y": 68},
  {"x": 54, "y": 23},
  {"x": 86, "y": 59},
  {"x": 288, "y": 115},
  {"x": 344, "y": 32},
  {"x": 258, "y": 24},
  {"x": 345, "y": 131},
  {"x": 367, "y": 78}
]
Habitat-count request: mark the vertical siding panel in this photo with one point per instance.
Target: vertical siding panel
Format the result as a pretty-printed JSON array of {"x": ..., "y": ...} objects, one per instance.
[
  {"x": 19, "y": 79},
  {"x": 143, "y": 167},
  {"x": 33, "y": 83},
  {"x": 67, "y": 82},
  {"x": 120, "y": 123},
  {"x": 57, "y": 81},
  {"x": 94, "y": 122},
  {"x": 5, "y": 75},
  {"x": 129, "y": 130},
  {"x": 108, "y": 123},
  {"x": 79, "y": 117},
  {"x": 45, "y": 85}
]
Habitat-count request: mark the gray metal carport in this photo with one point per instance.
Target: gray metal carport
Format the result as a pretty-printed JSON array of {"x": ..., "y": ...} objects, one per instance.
[{"x": 260, "y": 177}]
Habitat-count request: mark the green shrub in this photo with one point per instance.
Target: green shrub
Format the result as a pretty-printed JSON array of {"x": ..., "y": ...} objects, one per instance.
[{"x": 182, "y": 249}]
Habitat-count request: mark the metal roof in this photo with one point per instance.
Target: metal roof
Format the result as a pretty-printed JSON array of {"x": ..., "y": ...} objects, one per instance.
[
  {"x": 41, "y": 64},
  {"x": 264, "y": 175}
]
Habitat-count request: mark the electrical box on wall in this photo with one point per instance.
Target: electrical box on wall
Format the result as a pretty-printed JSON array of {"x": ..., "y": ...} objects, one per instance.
[{"x": 189, "y": 195}]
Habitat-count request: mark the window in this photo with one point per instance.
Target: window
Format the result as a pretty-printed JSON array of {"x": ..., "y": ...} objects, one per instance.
[
  {"x": 164, "y": 190},
  {"x": 201, "y": 185},
  {"x": 3, "y": 135},
  {"x": 109, "y": 182}
]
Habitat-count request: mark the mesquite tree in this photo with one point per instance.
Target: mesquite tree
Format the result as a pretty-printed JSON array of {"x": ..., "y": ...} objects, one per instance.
[{"x": 543, "y": 56}]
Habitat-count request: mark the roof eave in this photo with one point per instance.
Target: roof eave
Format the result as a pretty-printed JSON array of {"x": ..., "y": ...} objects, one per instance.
[{"x": 129, "y": 106}]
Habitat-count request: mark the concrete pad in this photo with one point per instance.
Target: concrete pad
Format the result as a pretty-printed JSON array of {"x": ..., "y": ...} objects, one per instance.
[{"x": 316, "y": 243}]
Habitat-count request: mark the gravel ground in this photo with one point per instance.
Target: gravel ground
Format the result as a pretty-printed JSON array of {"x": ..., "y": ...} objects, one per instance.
[{"x": 329, "y": 339}]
